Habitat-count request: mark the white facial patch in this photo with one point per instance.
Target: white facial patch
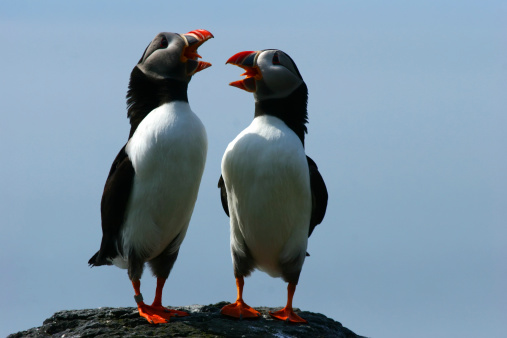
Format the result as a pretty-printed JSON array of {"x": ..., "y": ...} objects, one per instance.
[
  {"x": 164, "y": 62},
  {"x": 281, "y": 79}
]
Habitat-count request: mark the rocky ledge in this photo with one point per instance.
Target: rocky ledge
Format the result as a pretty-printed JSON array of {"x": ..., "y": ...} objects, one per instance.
[{"x": 204, "y": 321}]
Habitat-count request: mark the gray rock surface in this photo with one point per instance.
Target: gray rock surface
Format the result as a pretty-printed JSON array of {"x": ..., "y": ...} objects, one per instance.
[{"x": 204, "y": 321}]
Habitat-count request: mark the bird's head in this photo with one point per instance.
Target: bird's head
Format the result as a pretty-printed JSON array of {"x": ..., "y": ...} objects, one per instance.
[
  {"x": 174, "y": 56},
  {"x": 269, "y": 73}
]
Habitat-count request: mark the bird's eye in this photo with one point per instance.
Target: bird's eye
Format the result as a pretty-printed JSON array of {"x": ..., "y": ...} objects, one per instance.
[
  {"x": 164, "y": 43},
  {"x": 276, "y": 60}
]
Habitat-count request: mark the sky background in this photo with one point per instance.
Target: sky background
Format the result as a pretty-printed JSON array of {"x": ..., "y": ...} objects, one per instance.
[{"x": 407, "y": 110}]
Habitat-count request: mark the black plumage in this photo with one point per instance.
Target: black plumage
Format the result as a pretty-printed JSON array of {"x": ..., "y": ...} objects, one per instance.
[
  {"x": 145, "y": 213},
  {"x": 264, "y": 179}
]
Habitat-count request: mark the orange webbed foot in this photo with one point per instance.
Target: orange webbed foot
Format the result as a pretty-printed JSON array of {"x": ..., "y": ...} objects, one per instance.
[
  {"x": 288, "y": 315},
  {"x": 171, "y": 312},
  {"x": 152, "y": 314},
  {"x": 240, "y": 310},
  {"x": 177, "y": 313}
]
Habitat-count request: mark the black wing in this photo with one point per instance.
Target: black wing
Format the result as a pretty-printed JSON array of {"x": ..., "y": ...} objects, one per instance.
[
  {"x": 319, "y": 195},
  {"x": 113, "y": 205},
  {"x": 223, "y": 194}
]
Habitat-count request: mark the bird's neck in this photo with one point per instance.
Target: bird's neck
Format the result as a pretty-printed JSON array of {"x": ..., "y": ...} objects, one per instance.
[
  {"x": 291, "y": 109},
  {"x": 146, "y": 93}
]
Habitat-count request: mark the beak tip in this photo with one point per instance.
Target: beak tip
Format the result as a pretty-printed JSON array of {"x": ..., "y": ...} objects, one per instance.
[
  {"x": 202, "y": 65},
  {"x": 240, "y": 57},
  {"x": 201, "y": 34},
  {"x": 237, "y": 84},
  {"x": 230, "y": 60}
]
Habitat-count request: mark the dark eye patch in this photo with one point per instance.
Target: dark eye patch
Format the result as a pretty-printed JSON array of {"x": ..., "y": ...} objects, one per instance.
[
  {"x": 276, "y": 59},
  {"x": 163, "y": 42}
]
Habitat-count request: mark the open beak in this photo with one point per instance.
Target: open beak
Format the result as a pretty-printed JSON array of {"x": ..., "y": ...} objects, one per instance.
[
  {"x": 247, "y": 61},
  {"x": 195, "y": 39}
]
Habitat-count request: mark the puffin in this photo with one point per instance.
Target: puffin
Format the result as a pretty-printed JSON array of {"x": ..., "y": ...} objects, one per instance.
[
  {"x": 272, "y": 191},
  {"x": 152, "y": 186}
]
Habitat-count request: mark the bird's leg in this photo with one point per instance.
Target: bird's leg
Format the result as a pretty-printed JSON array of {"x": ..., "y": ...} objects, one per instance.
[
  {"x": 158, "y": 292},
  {"x": 240, "y": 309},
  {"x": 157, "y": 302},
  {"x": 287, "y": 313},
  {"x": 151, "y": 314}
]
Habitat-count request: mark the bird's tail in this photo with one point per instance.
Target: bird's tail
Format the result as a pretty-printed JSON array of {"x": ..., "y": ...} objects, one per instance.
[{"x": 96, "y": 260}]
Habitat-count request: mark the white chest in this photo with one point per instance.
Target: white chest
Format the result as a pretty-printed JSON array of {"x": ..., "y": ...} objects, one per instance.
[
  {"x": 266, "y": 149},
  {"x": 168, "y": 152},
  {"x": 169, "y": 133},
  {"x": 267, "y": 180}
]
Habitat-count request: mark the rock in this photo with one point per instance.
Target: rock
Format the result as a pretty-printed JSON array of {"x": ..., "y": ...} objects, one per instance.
[{"x": 204, "y": 321}]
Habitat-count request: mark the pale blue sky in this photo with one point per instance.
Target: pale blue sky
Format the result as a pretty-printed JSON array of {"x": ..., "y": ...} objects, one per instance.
[{"x": 407, "y": 112}]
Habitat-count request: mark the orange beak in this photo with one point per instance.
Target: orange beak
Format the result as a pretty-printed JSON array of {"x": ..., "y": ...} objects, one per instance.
[
  {"x": 195, "y": 39},
  {"x": 246, "y": 60}
]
